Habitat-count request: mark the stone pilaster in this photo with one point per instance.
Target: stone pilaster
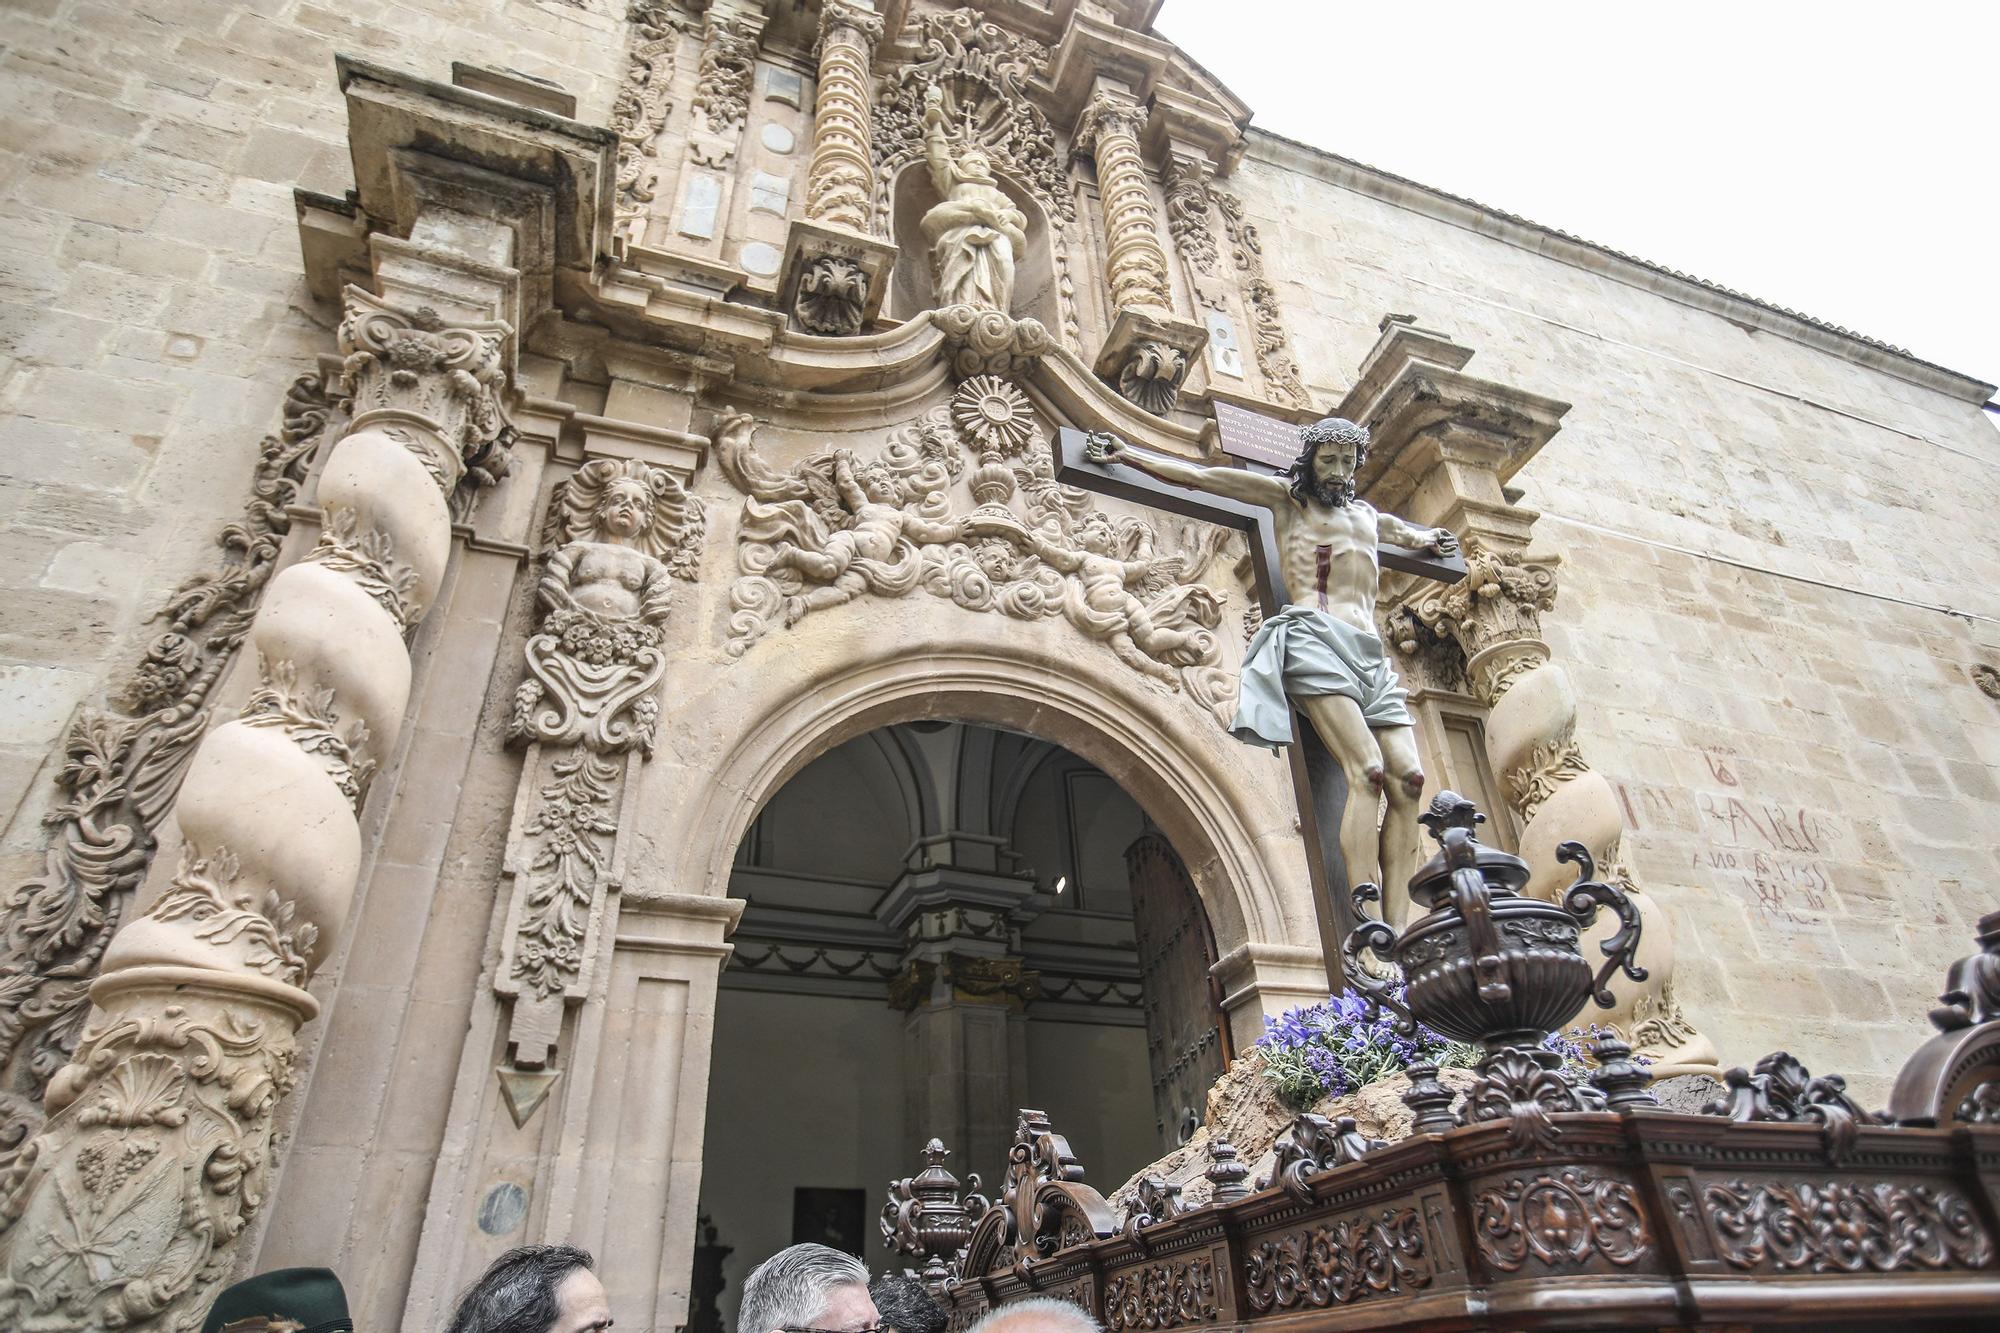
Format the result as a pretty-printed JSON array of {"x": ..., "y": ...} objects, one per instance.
[
  {"x": 1446, "y": 443},
  {"x": 123, "y": 1211},
  {"x": 1149, "y": 350},
  {"x": 835, "y": 273}
]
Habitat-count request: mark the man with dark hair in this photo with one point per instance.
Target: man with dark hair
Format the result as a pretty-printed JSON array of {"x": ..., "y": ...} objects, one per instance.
[
  {"x": 1322, "y": 654},
  {"x": 904, "y": 1306},
  {"x": 534, "y": 1289}
]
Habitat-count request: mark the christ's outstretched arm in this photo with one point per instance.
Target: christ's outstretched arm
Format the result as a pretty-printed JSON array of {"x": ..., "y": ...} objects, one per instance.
[
  {"x": 1399, "y": 532},
  {"x": 1228, "y": 482}
]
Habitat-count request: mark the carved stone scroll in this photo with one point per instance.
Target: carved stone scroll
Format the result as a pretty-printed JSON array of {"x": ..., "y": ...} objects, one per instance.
[
  {"x": 122, "y": 1211},
  {"x": 1267, "y": 319},
  {"x": 121, "y": 770},
  {"x": 721, "y": 102},
  {"x": 619, "y": 532}
]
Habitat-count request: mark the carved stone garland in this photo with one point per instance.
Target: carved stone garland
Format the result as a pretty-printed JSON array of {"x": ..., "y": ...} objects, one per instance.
[
  {"x": 721, "y": 103},
  {"x": 1267, "y": 318},
  {"x": 122, "y": 1211},
  {"x": 839, "y": 526},
  {"x": 121, "y": 771},
  {"x": 619, "y": 533},
  {"x": 1494, "y": 616},
  {"x": 639, "y": 112},
  {"x": 983, "y": 71}
]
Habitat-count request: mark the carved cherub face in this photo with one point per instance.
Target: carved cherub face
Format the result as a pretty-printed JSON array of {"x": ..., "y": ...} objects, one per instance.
[
  {"x": 626, "y": 509},
  {"x": 1094, "y": 534},
  {"x": 877, "y": 484}
]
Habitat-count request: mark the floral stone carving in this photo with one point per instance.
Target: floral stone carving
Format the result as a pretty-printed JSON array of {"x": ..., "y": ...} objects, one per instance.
[
  {"x": 839, "y": 526},
  {"x": 619, "y": 532},
  {"x": 639, "y": 112},
  {"x": 121, "y": 771}
]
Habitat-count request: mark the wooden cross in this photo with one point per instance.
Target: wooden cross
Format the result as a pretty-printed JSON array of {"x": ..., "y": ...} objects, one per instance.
[{"x": 1316, "y": 775}]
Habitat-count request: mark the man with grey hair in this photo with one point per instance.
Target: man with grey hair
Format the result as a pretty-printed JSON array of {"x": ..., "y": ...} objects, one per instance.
[
  {"x": 1037, "y": 1314},
  {"x": 807, "y": 1289}
]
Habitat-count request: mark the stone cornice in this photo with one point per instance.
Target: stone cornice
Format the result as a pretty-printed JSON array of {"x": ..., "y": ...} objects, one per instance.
[{"x": 1560, "y": 246}]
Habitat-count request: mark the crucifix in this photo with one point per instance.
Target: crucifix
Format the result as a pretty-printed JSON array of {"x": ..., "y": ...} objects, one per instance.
[{"x": 1315, "y": 678}]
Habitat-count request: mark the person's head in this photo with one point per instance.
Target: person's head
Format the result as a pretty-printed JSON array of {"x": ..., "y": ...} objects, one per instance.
[
  {"x": 902, "y": 1304},
  {"x": 534, "y": 1289},
  {"x": 1331, "y": 452},
  {"x": 807, "y": 1287},
  {"x": 626, "y": 509},
  {"x": 1038, "y": 1314},
  {"x": 288, "y": 1300}
]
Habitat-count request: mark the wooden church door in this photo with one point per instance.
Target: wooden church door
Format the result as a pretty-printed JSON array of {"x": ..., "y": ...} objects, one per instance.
[{"x": 1187, "y": 1040}]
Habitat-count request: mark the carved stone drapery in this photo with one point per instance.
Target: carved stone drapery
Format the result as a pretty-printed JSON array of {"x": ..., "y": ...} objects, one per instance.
[
  {"x": 619, "y": 532},
  {"x": 121, "y": 1212},
  {"x": 1136, "y": 264},
  {"x": 840, "y": 181},
  {"x": 121, "y": 770},
  {"x": 840, "y": 526},
  {"x": 1494, "y": 618},
  {"x": 639, "y": 111}
]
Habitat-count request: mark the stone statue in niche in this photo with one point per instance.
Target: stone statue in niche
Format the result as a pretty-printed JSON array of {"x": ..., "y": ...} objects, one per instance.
[
  {"x": 622, "y": 531},
  {"x": 1321, "y": 653},
  {"x": 976, "y": 234}
]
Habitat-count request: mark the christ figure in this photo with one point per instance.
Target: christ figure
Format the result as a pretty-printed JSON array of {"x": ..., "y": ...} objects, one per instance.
[{"x": 1321, "y": 653}]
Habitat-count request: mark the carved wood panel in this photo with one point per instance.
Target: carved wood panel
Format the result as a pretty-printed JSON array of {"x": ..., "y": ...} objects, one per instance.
[{"x": 1186, "y": 1038}]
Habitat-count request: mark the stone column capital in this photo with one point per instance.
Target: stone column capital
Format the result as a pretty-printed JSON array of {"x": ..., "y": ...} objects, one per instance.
[
  {"x": 1109, "y": 112},
  {"x": 849, "y": 21},
  {"x": 404, "y": 367}
]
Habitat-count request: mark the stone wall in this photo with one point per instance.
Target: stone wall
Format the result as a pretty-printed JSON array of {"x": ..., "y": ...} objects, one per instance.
[
  {"x": 152, "y": 304},
  {"x": 1760, "y": 540}
]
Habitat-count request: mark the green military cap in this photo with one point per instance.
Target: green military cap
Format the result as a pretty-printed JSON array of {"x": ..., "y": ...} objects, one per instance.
[{"x": 309, "y": 1300}]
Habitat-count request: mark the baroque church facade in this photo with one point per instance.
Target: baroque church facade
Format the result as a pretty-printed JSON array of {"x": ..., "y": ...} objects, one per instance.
[{"x": 558, "y": 688}]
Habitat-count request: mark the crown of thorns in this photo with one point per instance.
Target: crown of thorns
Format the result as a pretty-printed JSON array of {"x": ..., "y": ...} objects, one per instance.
[{"x": 1335, "y": 430}]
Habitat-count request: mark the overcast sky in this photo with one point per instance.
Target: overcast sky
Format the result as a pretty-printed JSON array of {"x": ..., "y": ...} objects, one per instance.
[{"x": 1837, "y": 159}]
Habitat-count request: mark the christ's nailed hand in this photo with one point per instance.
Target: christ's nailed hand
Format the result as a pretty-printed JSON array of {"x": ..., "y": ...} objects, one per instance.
[
  {"x": 1100, "y": 447},
  {"x": 1444, "y": 541}
]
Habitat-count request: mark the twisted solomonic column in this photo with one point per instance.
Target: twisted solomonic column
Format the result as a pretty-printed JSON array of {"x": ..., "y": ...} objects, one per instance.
[
  {"x": 840, "y": 180},
  {"x": 1109, "y": 131},
  {"x": 1494, "y": 615},
  {"x": 121, "y": 1213}
]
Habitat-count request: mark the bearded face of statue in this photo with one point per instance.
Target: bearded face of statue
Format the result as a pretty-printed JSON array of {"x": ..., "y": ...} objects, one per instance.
[{"x": 626, "y": 510}]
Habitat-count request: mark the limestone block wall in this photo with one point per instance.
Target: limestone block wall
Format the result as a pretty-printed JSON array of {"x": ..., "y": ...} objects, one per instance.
[
  {"x": 1759, "y": 538},
  {"x": 152, "y": 303}
]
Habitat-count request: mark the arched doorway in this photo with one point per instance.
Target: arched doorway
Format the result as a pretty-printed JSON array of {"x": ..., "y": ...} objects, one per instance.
[{"x": 944, "y": 922}]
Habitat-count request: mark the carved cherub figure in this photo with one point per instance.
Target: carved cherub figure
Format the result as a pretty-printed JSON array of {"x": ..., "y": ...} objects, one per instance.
[
  {"x": 835, "y": 527},
  {"x": 1105, "y": 564},
  {"x": 622, "y": 530}
]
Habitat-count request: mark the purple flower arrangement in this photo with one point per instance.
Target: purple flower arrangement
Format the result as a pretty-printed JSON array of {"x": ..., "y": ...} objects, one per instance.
[{"x": 1333, "y": 1048}]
